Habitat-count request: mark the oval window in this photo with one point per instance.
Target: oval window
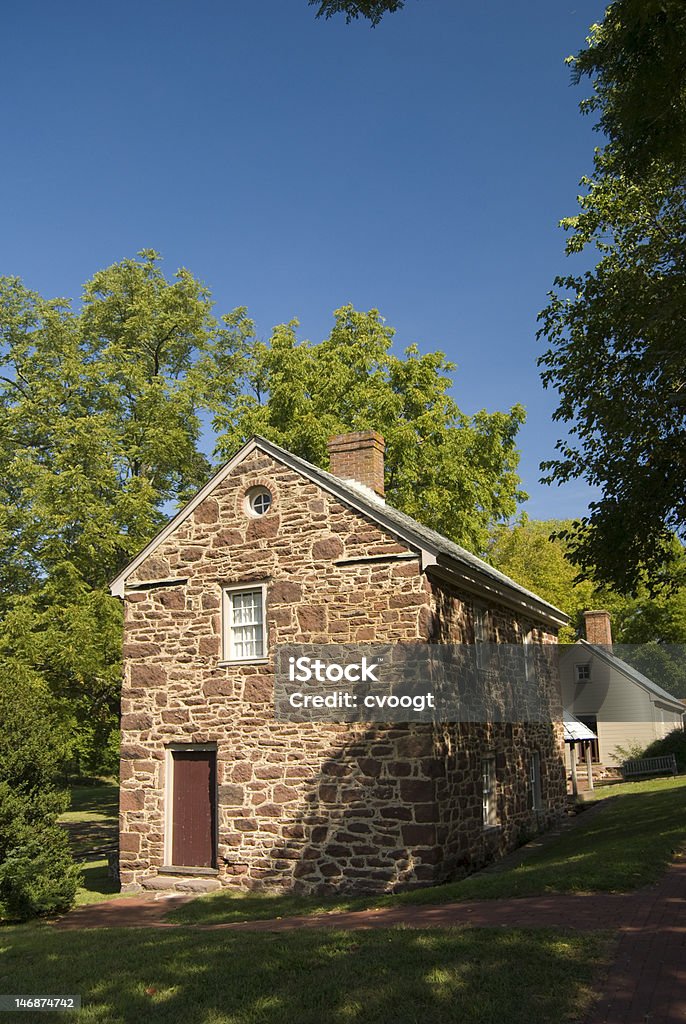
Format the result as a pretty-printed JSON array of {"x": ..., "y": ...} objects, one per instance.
[{"x": 259, "y": 501}]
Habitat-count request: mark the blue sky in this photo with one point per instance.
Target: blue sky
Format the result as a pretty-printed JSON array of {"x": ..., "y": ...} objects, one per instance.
[{"x": 295, "y": 165}]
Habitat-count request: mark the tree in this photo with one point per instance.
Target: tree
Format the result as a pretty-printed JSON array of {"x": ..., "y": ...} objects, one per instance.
[
  {"x": 455, "y": 473},
  {"x": 374, "y": 10},
  {"x": 100, "y": 430},
  {"x": 532, "y": 554},
  {"x": 617, "y": 354},
  {"x": 100, "y": 417},
  {"x": 636, "y": 61},
  {"x": 37, "y": 873},
  {"x": 649, "y": 632}
]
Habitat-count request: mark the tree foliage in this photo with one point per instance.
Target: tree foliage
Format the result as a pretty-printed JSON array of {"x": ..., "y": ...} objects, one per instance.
[
  {"x": 100, "y": 432},
  {"x": 37, "y": 873},
  {"x": 100, "y": 437},
  {"x": 617, "y": 352},
  {"x": 455, "y": 473},
  {"x": 651, "y": 630},
  {"x": 374, "y": 10},
  {"x": 636, "y": 59}
]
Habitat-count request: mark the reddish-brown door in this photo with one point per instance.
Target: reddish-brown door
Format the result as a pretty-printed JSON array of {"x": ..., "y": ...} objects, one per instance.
[{"x": 193, "y": 821}]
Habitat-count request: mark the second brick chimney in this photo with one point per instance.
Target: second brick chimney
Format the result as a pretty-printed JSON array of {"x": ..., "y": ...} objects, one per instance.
[
  {"x": 358, "y": 456},
  {"x": 598, "y": 629}
]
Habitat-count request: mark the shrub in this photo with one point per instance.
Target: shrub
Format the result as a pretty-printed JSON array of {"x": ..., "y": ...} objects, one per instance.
[
  {"x": 37, "y": 872},
  {"x": 673, "y": 743}
]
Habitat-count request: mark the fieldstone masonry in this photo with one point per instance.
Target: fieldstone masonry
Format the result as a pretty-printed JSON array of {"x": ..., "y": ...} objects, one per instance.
[{"x": 312, "y": 807}]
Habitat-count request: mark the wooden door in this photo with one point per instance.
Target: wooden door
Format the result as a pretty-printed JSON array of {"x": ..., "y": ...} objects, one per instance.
[{"x": 194, "y": 808}]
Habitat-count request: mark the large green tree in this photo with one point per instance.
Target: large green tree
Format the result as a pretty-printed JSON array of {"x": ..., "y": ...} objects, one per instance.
[
  {"x": 617, "y": 354},
  {"x": 453, "y": 472},
  {"x": 100, "y": 435},
  {"x": 636, "y": 58},
  {"x": 100, "y": 430}
]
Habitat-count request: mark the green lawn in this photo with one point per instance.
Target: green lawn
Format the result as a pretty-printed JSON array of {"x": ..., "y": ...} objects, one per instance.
[
  {"x": 395, "y": 976},
  {"x": 92, "y": 823},
  {"x": 626, "y": 844}
]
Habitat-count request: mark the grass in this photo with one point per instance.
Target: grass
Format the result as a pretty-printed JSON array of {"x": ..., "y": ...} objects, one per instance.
[
  {"x": 627, "y": 844},
  {"x": 92, "y": 823},
  {"x": 470, "y": 976}
]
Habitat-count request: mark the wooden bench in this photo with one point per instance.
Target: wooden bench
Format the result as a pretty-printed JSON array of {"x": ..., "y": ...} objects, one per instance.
[{"x": 649, "y": 766}]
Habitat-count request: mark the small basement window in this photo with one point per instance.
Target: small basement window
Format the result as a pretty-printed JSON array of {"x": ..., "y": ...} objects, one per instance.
[{"x": 258, "y": 501}]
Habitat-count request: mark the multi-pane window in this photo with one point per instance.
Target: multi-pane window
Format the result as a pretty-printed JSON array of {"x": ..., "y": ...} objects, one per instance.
[
  {"x": 480, "y": 636},
  {"x": 244, "y": 624},
  {"x": 583, "y": 673},
  {"x": 535, "y": 781},
  {"x": 488, "y": 783},
  {"x": 259, "y": 501}
]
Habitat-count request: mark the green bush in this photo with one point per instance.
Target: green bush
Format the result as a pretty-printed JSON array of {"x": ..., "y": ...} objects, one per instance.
[
  {"x": 673, "y": 743},
  {"x": 37, "y": 872}
]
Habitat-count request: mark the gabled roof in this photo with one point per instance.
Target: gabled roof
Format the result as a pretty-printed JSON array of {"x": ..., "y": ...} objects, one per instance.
[
  {"x": 633, "y": 674},
  {"x": 438, "y": 553}
]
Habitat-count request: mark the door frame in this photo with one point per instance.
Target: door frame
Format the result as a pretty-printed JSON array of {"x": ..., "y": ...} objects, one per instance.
[{"x": 169, "y": 751}]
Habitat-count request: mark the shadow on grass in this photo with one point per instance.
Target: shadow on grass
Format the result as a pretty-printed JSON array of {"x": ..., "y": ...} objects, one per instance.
[
  {"x": 99, "y": 798},
  {"x": 474, "y": 976},
  {"x": 626, "y": 844},
  {"x": 92, "y": 825}
]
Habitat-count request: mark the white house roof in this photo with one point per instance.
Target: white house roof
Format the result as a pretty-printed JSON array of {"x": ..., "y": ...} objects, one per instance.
[
  {"x": 436, "y": 550},
  {"x": 574, "y": 730},
  {"x": 632, "y": 673}
]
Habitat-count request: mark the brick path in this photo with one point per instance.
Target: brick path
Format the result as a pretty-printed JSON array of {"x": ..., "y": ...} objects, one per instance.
[{"x": 646, "y": 984}]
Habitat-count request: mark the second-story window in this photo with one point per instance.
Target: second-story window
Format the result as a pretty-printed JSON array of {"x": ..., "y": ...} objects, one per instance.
[
  {"x": 480, "y": 636},
  {"x": 244, "y": 623}
]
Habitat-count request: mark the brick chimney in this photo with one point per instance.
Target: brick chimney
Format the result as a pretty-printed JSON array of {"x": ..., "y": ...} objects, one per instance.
[
  {"x": 358, "y": 456},
  {"x": 598, "y": 629}
]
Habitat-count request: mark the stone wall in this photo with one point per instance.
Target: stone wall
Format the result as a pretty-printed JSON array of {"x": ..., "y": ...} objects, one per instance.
[{"x": 305, "y": 806}]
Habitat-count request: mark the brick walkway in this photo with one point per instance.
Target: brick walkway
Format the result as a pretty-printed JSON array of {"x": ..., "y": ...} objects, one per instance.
[{"x": 646, "y": 984}]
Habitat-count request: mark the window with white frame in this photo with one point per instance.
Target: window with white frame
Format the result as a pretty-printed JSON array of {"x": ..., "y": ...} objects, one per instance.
[
  {"x": 480, "y": 636},
  {"x": 258, "y": 501},
  {"x": 535, "y": 797},
  {"x": 583, "y": 673},
  {"x": 489, "y": 794},
  {"x": 244, "y": 623},
  {"x": 529, "y": 655}
]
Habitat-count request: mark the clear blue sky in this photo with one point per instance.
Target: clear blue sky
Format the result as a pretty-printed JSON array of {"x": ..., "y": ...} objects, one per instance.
[{"x": 295, "y": 165}]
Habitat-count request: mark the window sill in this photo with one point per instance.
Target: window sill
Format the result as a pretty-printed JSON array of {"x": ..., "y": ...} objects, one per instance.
[
  {"x": 169, "y": 869},
  {"x": 493, "y": 828},
  {"x": 243, "y": 661}
]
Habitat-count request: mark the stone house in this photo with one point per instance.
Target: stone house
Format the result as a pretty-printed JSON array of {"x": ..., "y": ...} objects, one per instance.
[
  {"x": 619, "y": 704},
  {"x": 215, "y": 792}
]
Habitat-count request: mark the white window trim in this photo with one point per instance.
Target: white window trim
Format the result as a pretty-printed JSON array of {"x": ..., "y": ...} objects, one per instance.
[
  {"x": 489, "y": 796},
  {"x": 529, "y": 656},
  {"x": 480, "y": 628},
  {"x": 228, "y": 657}
]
